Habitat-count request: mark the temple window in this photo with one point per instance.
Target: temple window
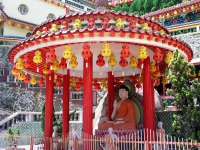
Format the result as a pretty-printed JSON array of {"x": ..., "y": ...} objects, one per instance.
[
  {"x": 1, "y": 72},
  {"x": 23, "y": 9},
  {"x": 28, "y": 34},
  {"x": 50, "y": 16}
]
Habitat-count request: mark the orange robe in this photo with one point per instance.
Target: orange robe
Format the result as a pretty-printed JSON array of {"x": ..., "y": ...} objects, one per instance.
[{"x": 125, "y": 111}]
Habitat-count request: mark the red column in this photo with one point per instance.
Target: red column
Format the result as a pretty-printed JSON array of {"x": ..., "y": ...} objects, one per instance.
[
  {"x": 110, "y": 94},
  {"x": 48, "y": 128},
  {"x": 65, "y": 116},
  {"x": 148, "y": 99},
  {"x": 87, "y": 99},
  {"x": 164, "y": 90}
]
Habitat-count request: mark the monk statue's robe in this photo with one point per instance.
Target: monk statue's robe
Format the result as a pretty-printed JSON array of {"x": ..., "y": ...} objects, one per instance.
[{"x": 125, "y": 111}]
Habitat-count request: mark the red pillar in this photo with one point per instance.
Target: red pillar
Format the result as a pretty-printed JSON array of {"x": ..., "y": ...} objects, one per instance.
[
  {"x": 164, "y": 90},
  {"x": 48, "y": 128},
  {"x": 65, "y": 116},
  {"x": 148, "y": 99},
  {"x": 87, "y": 99},
  {"x": 110, "y": 94}
]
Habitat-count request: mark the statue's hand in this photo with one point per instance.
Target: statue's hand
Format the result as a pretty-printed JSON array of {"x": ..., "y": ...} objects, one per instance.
[
  {"x": 119, "y": 122},
  {"x": 115, "y": 105},
  {"x": 119, "y": 119}
]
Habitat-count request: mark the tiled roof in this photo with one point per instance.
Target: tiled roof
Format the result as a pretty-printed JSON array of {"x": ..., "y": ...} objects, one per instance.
[
  {"x": 175, "y": 7},
  {"x": 15, "y": 19},
  {"x": 91, "y": 13}
]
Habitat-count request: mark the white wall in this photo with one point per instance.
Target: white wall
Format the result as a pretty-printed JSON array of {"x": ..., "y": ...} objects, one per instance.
[
  {"x": 38, "y": 10},
  {"x": 9, "y": 30}
]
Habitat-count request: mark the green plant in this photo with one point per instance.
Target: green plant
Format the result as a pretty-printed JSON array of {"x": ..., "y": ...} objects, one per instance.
[{"x": 185, "y": 88}]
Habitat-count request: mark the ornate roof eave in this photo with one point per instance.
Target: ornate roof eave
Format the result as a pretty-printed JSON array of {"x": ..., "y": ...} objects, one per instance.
[
  {"x": 16, "y": 20},
  {"x": 83, "y": 15},
  {"x": 69, "y": 35},
  {"x": 172, "y": 8}
]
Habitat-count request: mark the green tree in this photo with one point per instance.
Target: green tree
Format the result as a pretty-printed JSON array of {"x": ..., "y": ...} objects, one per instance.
[
  {"x": 156, "y": 4},
  {"x": 125, "y": 8},
  {"x": 148, "y": 5},
  {"x": 132, "y": 7},
  {"x": 185, "y": 89},
  {"x": 118, "y": 8}
]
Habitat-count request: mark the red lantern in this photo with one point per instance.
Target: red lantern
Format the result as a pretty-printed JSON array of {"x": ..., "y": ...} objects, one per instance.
[
  {"x": 86, "y": 53},
  {"x": 27, "y": 79},
  {"x": 157, "y": 56},
  {"x": 26, "y": 61},
  {"x": 125, "y": 53},
  {"x": 62, "y": 64},
  {"x": 41, "y": 82},
  {"x": 140, "y": 63},
  {"x": 100, "y": 61},
  {"x": 138, "y": 85},
  {"x": 77, "y": 87},
  {"x": 51, "y": 56},
  {"x": 123, "y": 62}
]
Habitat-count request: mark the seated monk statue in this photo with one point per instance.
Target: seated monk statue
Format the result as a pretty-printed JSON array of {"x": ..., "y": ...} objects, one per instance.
[{"x": 123, "y": 114}]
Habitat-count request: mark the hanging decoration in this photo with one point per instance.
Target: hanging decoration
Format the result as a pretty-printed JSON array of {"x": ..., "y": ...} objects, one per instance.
[
  {"x": 33, "y": 80},
  {"x": 140, "y": 79},
  {"x": 46, "y": 69},
  {"x": 123, "y": 63},
  {"x": 86, "y": 53},
  {"x": 51, "y": 56},
  {"x": 140, "y": 64},
  {"x": 152, "y": 69},
  {"x": 37, "y": 59},
  {"x": 112, "y": 61},
  {"x": 73, "y": 63},
  {"x": 125, "y": 53},
  {"x": 27, "y": 79},
  {"x": 168, "y": 57},
  {"x": 41, "y": 82},
  {"x": 55, "y": 66},
  {"x": 157, "y": 55},
  {"x": 15, "y": 71},
  {"x": 165, "y": 80},
  {"x": 67, "y": 53},
  {"x": 27, "y": 61},
  {"x": 63, "y": 64},
  {"x": 21, "y": 75},
  {"x": 103, "y": 83},
  {"x": 73, "y": 82},
  {"x": 117, "y": 82},
  {"x": 19, "y": 64},
  {"x": 100, "y": 62},
  {"x": 106, "y": 52},
  {"x": 133, "y": 63},
  {"x": 142, "y": 55},
  {"x": 58, "y": 83}
]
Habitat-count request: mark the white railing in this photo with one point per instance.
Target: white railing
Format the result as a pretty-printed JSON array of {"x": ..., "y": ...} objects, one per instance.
[{"x": 35, "y": 117}]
